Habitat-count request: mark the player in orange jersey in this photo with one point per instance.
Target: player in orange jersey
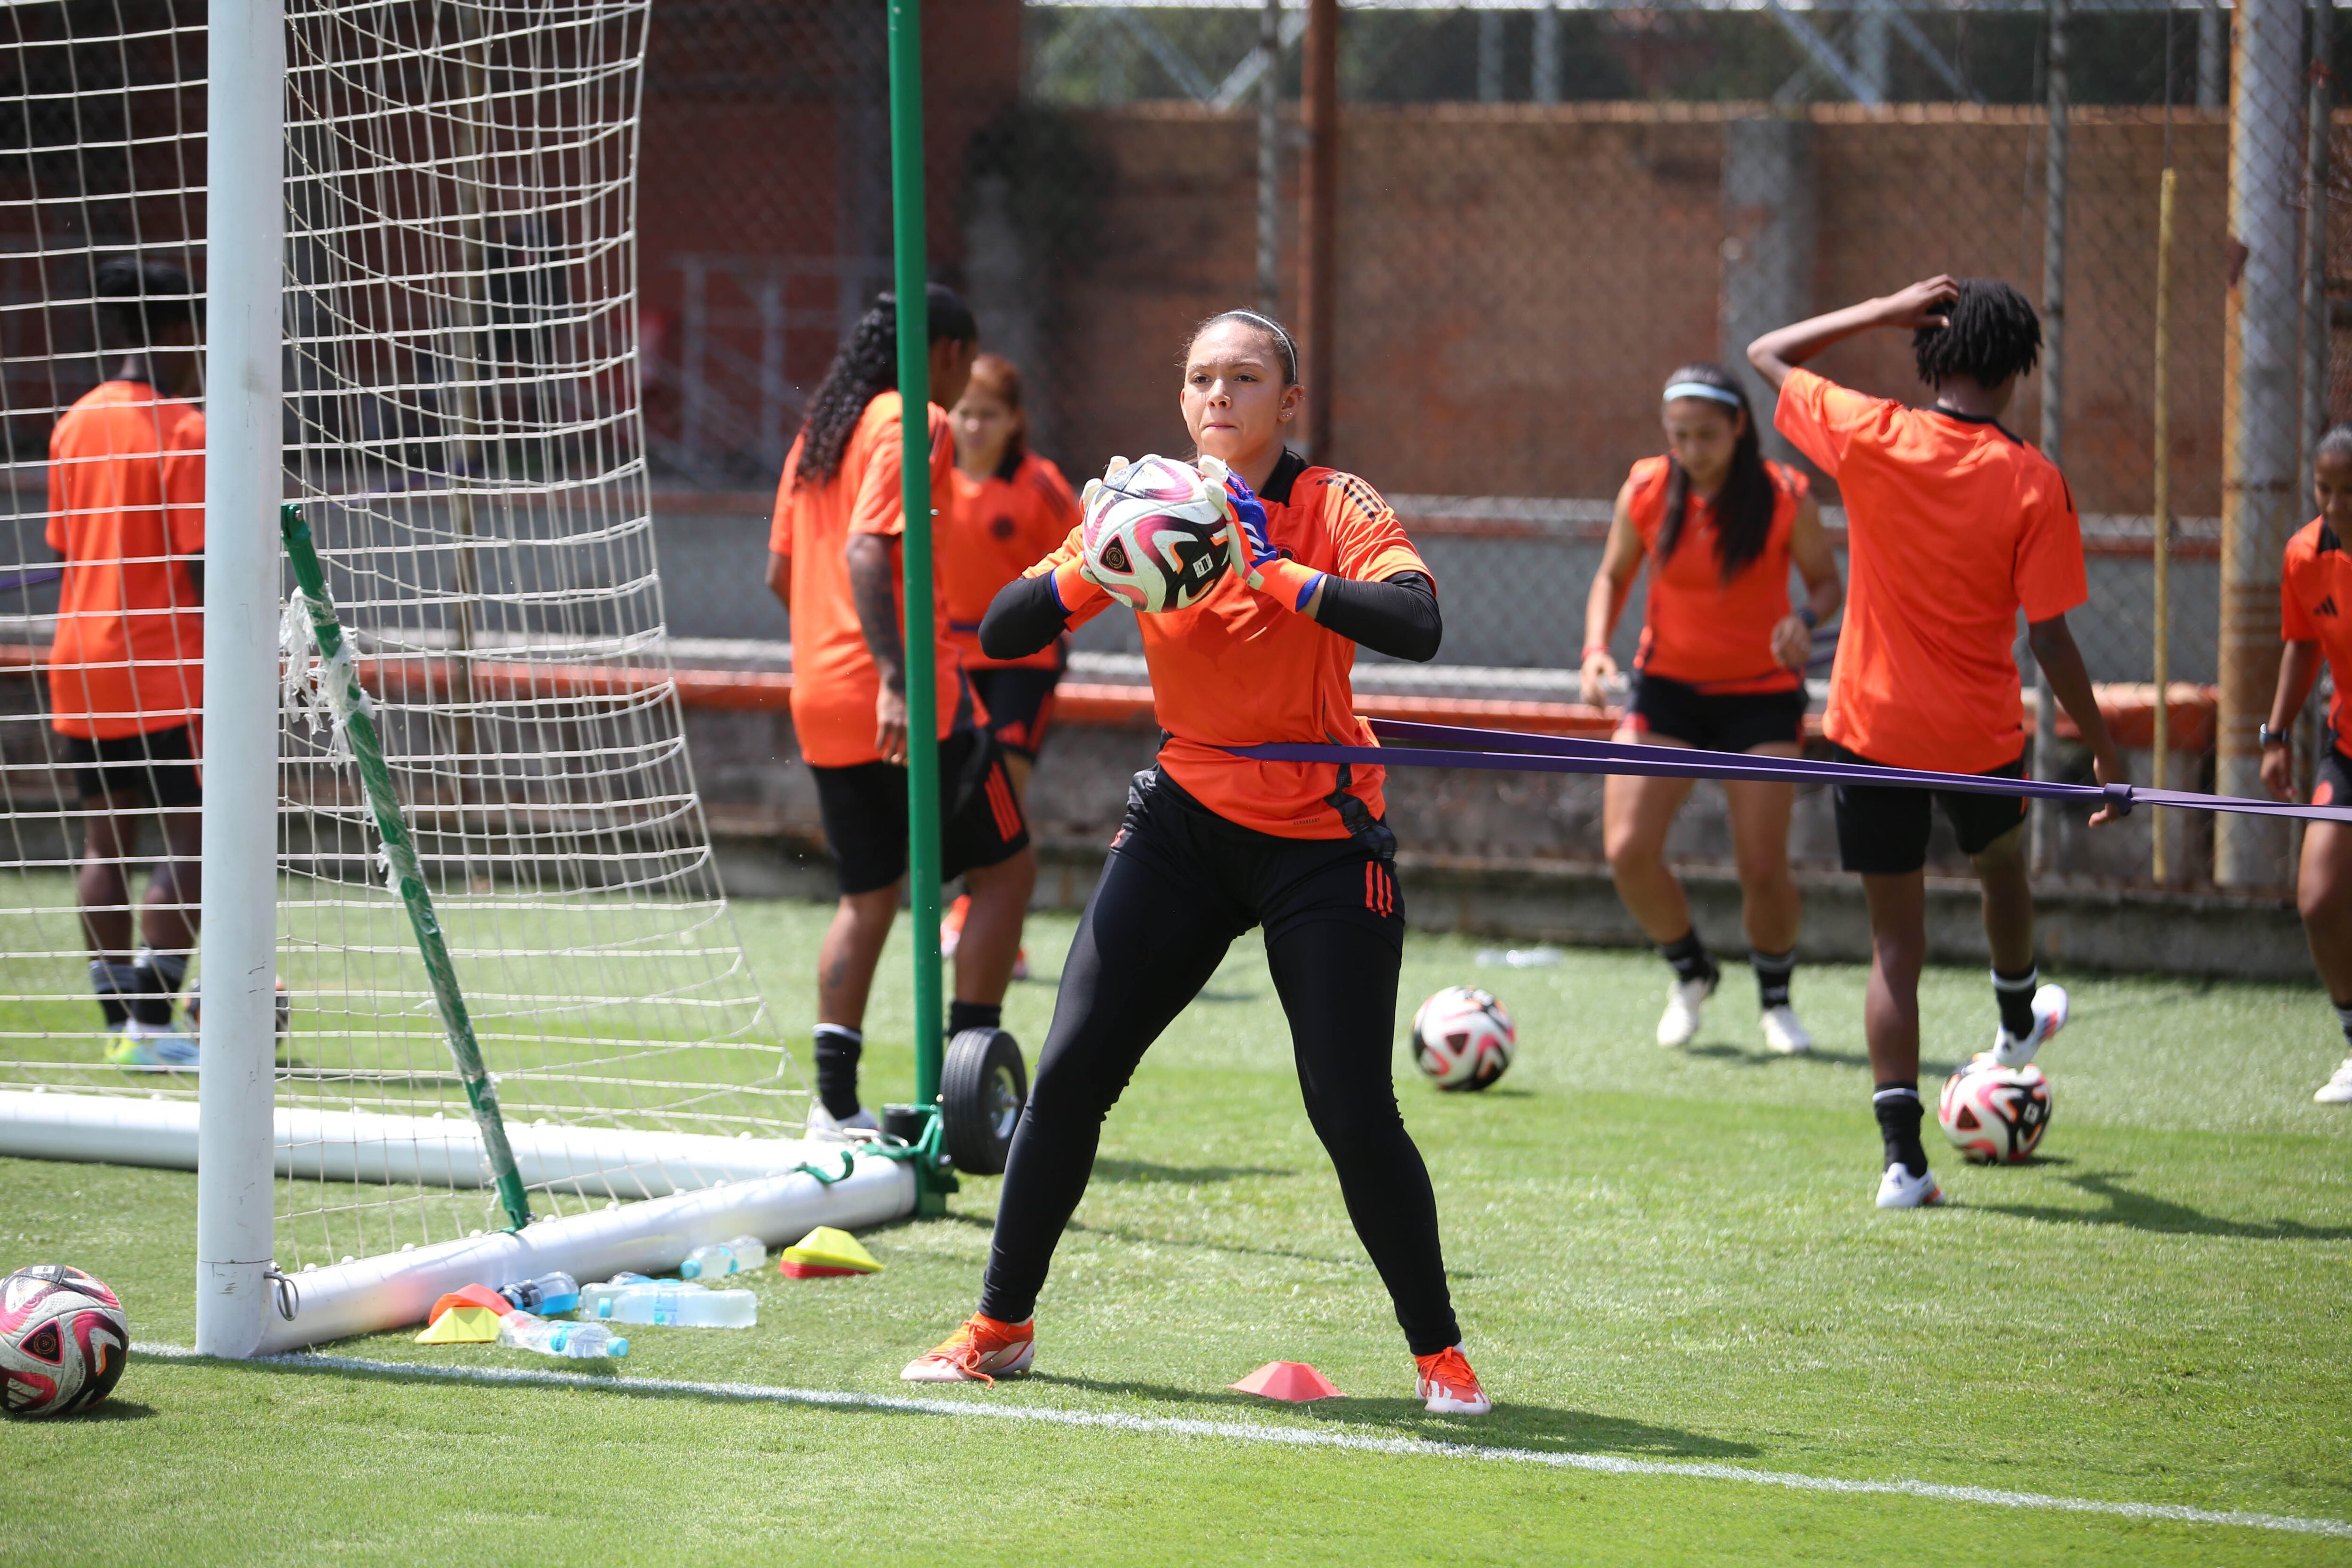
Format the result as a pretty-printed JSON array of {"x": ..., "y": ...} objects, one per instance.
[
  {"x": 126, "y": 670},
  {"x": 834, "y": 561},
  {"x": 1012, "y": 506},
  {"x": 1721, "y": 667},
  {"x": 1953, "y": 525},
  {"x": 1213, "y": 844},
  {"x": 2316, "y": 597}
]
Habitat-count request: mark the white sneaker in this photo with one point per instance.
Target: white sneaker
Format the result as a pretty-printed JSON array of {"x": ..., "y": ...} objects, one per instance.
[
  {"x": 1679, "y": 1023},
  {"x": 2049, "y": 1018},
  {"x": 821, "y": 1122},
  {"x": 1783, "y": 1033},
  {"x": 1899, "y": 1189},
  {"x": 2337, "y": 1090}
]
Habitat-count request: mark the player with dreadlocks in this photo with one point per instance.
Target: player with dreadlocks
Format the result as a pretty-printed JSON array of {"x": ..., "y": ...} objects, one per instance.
[
  {"x": 1722, "y": 668},
  {"x": 834, "y": 561},
  {"x": 1953, "y": 525}
]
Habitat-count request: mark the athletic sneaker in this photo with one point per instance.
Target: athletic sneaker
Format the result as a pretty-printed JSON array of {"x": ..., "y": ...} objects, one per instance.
[
  {"x": 2049, "y": 1018},
  {"x": 821, "y": 1122},
  {"x": 1783, "y": 1033},
  {"x": 2337, "y": 1090},
  {"x": 979, "y": 1350},
  {"x": 153, "y": 1048},
  {"x": 1684, "y": 999},
  {"x": 1449, "y": 1385},
  {"x": 951, "y": 924},
  {"x": 1899, "y": 1189}
]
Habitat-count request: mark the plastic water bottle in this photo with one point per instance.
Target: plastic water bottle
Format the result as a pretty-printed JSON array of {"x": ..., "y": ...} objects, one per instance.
[
  {"x": 683, "y": 1306},
  {"x": 740, "y": 1255},
  {"x": 547, "y": 1295},
  {"x": 573, "y": 1341},
  {"x": 594, "y": 1298}
]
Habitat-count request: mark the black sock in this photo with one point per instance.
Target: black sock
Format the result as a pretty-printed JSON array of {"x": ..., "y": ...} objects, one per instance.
[
  {"x": 962, "y": 1016},
  {"x": 2015, "y": 994},
  {"x": 839, "y": 1046},
  {"x": 1773, "y": 974},
  {"x": 1899, "y": 1113},
  {"x": 2344, "y": 1016},
  {"x": 1688, "y": 957},
  {"x": 115, "y": 985},
  {"x": 164, "y": 974}
]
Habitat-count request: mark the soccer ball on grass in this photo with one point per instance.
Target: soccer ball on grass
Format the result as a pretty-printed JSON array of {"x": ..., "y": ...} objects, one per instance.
[
  {"x": 1995, "y": 1115},
  {"x": 1462, "y": 1039},
  {"x": 1156, "y": 530},
  {"x": 63, "y": 1341}
]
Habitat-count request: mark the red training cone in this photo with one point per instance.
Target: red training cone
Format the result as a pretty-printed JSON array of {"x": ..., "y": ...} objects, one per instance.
[{"x": 1292, "y": 1381}]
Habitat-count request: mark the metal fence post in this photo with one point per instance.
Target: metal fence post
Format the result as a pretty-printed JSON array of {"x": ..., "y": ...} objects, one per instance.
[{"x": 2045, "y": 830}]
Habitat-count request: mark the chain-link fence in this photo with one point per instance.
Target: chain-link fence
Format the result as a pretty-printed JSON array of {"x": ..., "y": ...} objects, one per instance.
[{"x": 1539, "y": 211}]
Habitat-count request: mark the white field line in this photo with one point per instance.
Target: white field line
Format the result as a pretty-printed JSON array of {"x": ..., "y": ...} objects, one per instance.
[{"x": 1284, "y": 1436}]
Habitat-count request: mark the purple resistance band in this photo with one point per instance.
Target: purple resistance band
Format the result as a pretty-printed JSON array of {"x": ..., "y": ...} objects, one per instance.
[{"x": 1447, "y": 746}]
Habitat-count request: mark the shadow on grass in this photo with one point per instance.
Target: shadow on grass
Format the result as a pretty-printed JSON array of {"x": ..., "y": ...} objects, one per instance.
[
  {"x": 1755, "y": 1056},
  {"x": 2139, "y": 1211},
  {"x": 1203, "y": 1244},
  {"x": 1228, "y": 996},
  {"x": 1182, "y": 1176},
  {"x": 1512, "y": 1425},
  {"x": 114, "y": 1410}
]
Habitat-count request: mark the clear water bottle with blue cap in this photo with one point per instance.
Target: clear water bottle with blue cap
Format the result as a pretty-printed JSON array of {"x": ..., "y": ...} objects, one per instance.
[{"x": 572, "y": 1342}]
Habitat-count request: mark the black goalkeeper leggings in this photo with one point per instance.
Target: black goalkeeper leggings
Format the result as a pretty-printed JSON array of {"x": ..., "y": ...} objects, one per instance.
[{"x": 1180, "y": 885}]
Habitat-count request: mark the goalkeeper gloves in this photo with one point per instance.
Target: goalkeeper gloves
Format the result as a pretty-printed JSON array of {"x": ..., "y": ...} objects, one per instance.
[{"x": 1254, "y": 558}]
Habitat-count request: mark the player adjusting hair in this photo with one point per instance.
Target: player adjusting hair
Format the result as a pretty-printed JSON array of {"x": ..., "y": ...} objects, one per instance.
[
  {"x": 140, "y": 300},
  {"x": 1744, "y": 506},
  {"x": 868, "y": 365},
  {"x": 1276, "y": 332},
  {"x": 1990, "y": 334}
]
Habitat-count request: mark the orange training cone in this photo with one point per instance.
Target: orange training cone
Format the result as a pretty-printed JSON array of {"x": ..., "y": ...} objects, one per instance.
[
  {"x": 469, "y": 1296},
  {"x": 1292, "y": 1381}
]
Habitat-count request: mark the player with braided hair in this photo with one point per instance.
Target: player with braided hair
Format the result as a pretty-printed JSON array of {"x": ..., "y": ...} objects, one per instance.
[
  {"x": 1213, "y": 844},
  {"x": 1953, "y": 525},
  {"x": 1721, "y": 667},
  {"x": 834, "y": 561}
]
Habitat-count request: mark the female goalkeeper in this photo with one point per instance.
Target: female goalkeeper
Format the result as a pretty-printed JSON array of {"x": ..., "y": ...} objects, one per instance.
[
  {"x": 1721, "y": 667},
  {"x": 1213, "y": 844}
]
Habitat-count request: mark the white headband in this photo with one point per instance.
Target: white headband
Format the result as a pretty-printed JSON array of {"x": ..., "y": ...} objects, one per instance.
[{"x": 1701, "y": 389}]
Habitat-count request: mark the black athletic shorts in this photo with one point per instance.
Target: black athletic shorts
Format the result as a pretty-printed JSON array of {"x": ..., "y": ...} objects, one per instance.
[
  {"x": 1716, "y": 722},
  {"x": 2332, "y": 784},
  {"x": 1882, "y": 829},
  {"x": 160, "y": 765},
  {"x": 1259, "y": 879},
  {"x": 865, "y": 812},
  {"x": 1020, "y": 704}
]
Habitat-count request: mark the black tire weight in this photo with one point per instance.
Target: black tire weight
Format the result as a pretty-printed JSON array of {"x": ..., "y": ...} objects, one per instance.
[{"x": 984, "y": 1085}]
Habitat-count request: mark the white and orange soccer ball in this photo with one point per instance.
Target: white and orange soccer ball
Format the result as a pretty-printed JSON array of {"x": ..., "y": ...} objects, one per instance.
[
  {"x": 1463, "y": 1038},
  {"x": 63, "y": 1341},
  {"x": 1995, "y": 1115},
  {"x": 1156, "y": 531}
]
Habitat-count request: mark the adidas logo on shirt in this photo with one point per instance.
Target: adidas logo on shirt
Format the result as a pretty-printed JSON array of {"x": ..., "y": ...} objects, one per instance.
[{"x": 2325, "y": 606}]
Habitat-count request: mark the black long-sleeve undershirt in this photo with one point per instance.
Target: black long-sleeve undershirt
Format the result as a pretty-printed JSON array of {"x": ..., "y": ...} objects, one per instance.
[{"x": 1399, "y": 617}]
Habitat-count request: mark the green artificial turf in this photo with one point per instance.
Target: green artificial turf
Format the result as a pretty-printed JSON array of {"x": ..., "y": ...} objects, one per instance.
[{"x": 1665, "y": 1256}]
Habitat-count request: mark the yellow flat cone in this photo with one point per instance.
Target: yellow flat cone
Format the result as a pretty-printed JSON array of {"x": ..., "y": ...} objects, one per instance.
[
  {"x": 825, "y": 1250},
  {"x": 462, "y": 1326}
]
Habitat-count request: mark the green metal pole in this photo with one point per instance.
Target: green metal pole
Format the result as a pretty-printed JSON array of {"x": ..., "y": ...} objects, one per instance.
[
  {"x": 350, "y": 703},
  {"x": 914, "y": 462}
]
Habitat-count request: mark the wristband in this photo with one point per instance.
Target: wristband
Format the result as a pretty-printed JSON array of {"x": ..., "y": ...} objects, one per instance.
[
  {"x": 1805, "y": 613},
  {"x": 1592, "y": 648},
  {"x": 1287, "y": 581},
  {"x": 1074, "y": 589},
  {"x": 2265, "y": 737}
]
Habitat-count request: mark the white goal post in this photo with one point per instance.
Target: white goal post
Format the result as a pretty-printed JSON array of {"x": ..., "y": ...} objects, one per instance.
[{"x": 414, "y": 245}]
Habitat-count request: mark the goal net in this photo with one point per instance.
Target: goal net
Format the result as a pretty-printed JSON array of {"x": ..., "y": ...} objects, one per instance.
[{"x": 463, "y": 437}]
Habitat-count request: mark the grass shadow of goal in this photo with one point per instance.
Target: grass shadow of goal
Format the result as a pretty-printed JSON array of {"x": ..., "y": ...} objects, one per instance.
[{"x": 2142, "y": 1211}]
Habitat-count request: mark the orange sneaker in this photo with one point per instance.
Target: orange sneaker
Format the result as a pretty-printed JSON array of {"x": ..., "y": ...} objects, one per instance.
[
  {"x": 951, "y": 924},
  {"x": 982, "y": 1347},
  {"x": 1449, "y": 1385}
]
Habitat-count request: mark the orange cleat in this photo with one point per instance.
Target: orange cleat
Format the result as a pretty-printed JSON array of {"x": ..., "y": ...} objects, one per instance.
[
  {"x": 982, "y": 1349},
  {"x": 1449, "y": 1385}
]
